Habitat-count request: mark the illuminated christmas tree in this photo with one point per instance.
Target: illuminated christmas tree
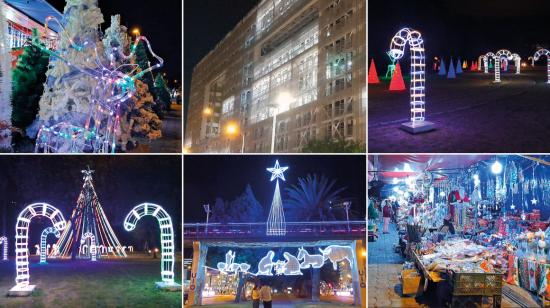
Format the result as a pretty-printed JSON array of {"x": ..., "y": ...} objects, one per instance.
[
  {"x": 276, "y": 224},
  {"x": 88, "y": 218}
]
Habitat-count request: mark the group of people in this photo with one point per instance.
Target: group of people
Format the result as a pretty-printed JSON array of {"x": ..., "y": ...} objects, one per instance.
[{"x": 261, "y": 294}]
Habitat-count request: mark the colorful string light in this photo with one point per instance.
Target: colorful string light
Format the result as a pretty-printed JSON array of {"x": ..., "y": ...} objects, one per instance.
[{"x": 115, "y": 85}]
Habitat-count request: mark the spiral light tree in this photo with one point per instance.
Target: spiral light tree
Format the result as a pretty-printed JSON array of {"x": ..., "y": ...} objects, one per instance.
[
  {"x": 546, "y": 53},
  {"x": 43, "y": 244},
  {"x": 166, "y": 240},
  {"x": 503, "y": 53},
  {"x": 486, "y": 58},
  {"x": 418, "y": 123},
  {"x": 517, "y": 62},
  {"x": 22, "y": 286},
  {"x": 4, "y": 242}
]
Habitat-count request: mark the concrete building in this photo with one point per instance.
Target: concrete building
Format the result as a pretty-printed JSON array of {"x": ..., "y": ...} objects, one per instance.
[{"x": 300, "y": 64}]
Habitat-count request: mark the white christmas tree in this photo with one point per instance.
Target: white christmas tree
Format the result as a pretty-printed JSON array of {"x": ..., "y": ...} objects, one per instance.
[
  {"x": 67, "y": 92},
  {"x": 88, "y": 217},
  {"x": 139, "y": 121},
  {"x": 276, "y": 224},
  {"x": 5, "y": 83}
]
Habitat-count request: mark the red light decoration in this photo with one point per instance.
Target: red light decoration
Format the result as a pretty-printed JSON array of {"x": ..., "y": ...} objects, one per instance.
[
  {"x": 397, "y": 83},
  {"x": 373, "y": 74}
]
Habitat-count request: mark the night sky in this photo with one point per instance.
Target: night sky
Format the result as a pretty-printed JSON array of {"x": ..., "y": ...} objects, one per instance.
[
  {"x": 121, "y": 182},
  {"x": 465, "y": 28},
  {"x": 206, "y": 22},
  {"x": 159, "y": 21},
  {"x": 209, "y": 176}
]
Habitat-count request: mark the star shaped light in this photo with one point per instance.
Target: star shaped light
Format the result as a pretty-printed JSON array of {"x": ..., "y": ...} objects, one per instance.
[
  {"x": 277, "y": 171},
  {"x": 534, "y": 201},
  {"x": 513, "y": 207}
]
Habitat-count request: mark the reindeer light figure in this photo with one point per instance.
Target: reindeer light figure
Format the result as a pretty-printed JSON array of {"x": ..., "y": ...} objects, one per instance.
[{"x": 115, "y": 85}]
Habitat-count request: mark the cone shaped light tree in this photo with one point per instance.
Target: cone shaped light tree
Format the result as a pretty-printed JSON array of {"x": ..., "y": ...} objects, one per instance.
[
  {"x": 451, "y": 74},
  {"x": 88, "y": 217},
  {"x": 397, "y": 83},
  {"x": 276, "y": 224},
  {"x": 373, "y": 74},
  {"x": 442, "y": 69}
]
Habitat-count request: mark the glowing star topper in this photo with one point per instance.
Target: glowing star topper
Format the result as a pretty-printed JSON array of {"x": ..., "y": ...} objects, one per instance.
[
  {"x": 418, "y": 123},
  {"x": 534, "y": 201},
  {"x": 166, "y": 240},
  {"x": 277, "y": 171},
  {"x": 4, "y": 241},
  {"x": 22, "y": 287},
  {"x": 43, "y": 238}
]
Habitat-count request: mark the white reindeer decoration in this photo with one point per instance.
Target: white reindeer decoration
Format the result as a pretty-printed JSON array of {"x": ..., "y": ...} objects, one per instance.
[
  {"x": 315, "y": 261},
  {"x": 336, "y": 254}
]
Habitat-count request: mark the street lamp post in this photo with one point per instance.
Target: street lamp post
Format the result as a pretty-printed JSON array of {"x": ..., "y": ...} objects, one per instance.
[
  {"x": 283, "y": 99},
  {"x": 347, "y": 206},
  {"x": 208, "y": 211}
]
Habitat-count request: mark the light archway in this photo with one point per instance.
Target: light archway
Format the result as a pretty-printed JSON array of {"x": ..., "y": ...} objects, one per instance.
[
  {"x": 43, "y": 238},
  {"x": 546, "y": 53}
]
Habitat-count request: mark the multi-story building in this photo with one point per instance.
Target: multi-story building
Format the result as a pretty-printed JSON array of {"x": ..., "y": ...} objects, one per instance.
[
  {"x": 23, "y": 16},
  {"x": 292, "y": 69}
]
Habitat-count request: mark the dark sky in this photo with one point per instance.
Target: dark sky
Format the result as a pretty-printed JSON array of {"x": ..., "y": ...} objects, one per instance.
[
  {"x": 209, "y": 176},
  {"x": 206, "y": 22},
  {"x": 159, "y": 21},
  {"x": 465, "y": 28},
  {"x": 121, "y": 182}
]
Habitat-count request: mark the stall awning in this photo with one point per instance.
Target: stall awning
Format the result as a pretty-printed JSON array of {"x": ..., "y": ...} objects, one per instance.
[{"x": 404, "y": 165}]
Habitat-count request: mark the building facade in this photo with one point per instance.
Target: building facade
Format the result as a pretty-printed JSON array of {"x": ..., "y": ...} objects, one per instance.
[
  {"x": 292, "y": 69},
  {"x": 23, "y": 17}
]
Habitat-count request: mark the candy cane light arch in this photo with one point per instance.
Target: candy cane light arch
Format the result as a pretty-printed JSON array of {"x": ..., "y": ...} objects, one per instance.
[
  {"x": 43, "y": 238},
  {"x": 4, "y": 242},
  {"x": 546, "y": 53},
  {"x": 486, "y": 59},
  {"x": 166, "y": 237},
  {"x": 22, "y": 286},
  {"x": 93, "y": 247},
  {"x": 399, "y": 41},
  {"x": 503, "y": 53}
]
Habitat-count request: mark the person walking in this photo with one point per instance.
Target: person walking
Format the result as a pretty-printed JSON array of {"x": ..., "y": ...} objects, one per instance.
[
  {"x": 265, "y": 295},
  {"x": 256, "y": 297},
  {"x": 386, "y": 214}
]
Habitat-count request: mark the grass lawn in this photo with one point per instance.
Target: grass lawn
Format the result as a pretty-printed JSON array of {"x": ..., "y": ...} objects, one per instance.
[{"x": 106, "y": 283}]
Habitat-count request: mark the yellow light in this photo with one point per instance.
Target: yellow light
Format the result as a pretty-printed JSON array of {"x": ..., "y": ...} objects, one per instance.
[
  {"x": 231, "y": 128},
  {"x": 186, "y": 150},
  {"x": 364, "y": 252},
  {"x": 284, "y": 99},
  {"x": 207, "y": 111},
  {"x": 135, "y": 31}
]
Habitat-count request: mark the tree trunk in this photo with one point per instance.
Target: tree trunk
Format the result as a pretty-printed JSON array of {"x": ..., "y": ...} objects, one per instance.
[{"x": 240, "y": 287}]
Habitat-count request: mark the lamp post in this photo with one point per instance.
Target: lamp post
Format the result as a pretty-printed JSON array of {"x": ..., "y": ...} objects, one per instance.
[
  {"x": 283, "y": 100},
  {"x": 208, "y": 211},
  {"x": 233, "y": 129}
]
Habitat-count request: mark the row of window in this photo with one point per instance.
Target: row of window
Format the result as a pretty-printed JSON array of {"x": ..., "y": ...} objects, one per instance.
[
  {"x": 18, "y": 35},
  {"x": 339, "y": 64},
  {"x": 338, "y": 85},
  {"x": 338, "y": 24}
]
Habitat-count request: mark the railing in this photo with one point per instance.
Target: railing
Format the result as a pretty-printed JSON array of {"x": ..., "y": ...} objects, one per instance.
[{"x": 321, "y": 229}]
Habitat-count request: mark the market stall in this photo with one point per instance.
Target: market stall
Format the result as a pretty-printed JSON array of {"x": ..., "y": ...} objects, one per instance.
[{"x": 468, "y": 224}]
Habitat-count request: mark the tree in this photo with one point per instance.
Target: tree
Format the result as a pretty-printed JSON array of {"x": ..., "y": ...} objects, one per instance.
[
  {"x": 67, "y": 92},
  {"x": 161, "y": 92},
  {"x": 28, "y": 84},
  {"x": 311, "y": 198},
  {"x": 245, "y": 208},
  {"x": 334, "y": 146}
]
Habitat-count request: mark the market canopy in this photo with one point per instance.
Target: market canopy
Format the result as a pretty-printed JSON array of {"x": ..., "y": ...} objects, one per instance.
[
  {"x": 399, "y": 166},
  {"x": 37, "y": 10}
]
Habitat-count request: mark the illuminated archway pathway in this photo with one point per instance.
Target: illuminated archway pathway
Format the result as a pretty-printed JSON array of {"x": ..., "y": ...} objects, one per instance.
[{"x": 385, "y": 266}]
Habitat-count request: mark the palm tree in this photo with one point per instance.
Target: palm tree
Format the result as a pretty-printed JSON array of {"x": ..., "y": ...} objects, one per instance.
[{"x": 311, "y": 198}]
